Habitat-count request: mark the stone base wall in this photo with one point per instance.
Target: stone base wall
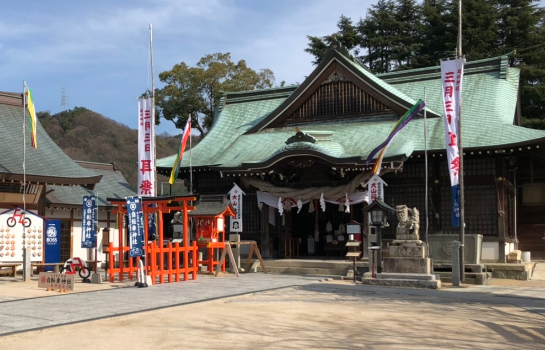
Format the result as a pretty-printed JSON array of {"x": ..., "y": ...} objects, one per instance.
[{"x": 406, "y": 265}]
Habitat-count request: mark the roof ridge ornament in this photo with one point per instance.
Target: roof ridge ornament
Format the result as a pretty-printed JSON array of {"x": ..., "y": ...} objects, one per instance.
[
  {"x": 338, "y": 46},
  {"x": 300, "y": 137},
  {"x": 335, "y": 77}
]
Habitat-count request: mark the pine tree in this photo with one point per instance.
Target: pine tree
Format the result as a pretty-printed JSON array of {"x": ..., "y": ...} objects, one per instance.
[
  {"x": 378, "y": 31},
  {"x": 437, "y": 34},
  {"x": 521, "y": 30},
  {"x": 479, "y": 28},
  {"x": 407, "y": 31}
]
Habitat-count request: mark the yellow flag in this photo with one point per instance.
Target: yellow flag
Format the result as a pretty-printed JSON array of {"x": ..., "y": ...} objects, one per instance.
[{"x": 32, "y": 117}]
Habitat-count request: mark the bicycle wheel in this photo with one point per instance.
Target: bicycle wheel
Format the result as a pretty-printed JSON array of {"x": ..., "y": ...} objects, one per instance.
[
  {"x": 84, "y": 272},
  {"x": 64, "y": 269}
]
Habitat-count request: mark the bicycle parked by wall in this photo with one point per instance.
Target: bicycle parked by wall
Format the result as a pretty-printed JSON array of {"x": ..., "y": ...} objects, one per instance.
[{"x": 76, "y": 264}]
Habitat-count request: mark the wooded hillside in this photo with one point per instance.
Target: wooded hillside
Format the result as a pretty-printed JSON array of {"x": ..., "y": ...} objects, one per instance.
[{"x": 88, "y": 136}]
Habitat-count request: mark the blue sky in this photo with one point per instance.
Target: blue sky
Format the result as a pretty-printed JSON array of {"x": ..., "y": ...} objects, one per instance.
[{"x": 99, "y": 51}]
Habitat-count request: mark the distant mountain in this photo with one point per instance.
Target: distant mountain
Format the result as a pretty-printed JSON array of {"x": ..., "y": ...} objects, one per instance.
[{"x": 85, "y": 135}]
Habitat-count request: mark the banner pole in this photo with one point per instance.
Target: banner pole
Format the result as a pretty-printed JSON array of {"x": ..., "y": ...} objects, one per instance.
[
  {"x": 461, "y": 155},
  {"x": 24, "y": 148},
  {"x": 96, "y": 236},
  {"x": 426, "y": 169},
  {"x": 153, "y": 111},
  {"x": 190, "y": 163}
]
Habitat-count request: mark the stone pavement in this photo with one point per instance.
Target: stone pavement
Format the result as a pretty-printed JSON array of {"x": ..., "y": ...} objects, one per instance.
[{"x": 25, "y": 307}]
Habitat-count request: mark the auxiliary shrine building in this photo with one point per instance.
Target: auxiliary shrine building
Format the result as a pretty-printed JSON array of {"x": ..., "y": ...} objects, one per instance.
[
  {"x": 299, "y": 154},
  {"x": 55, "y": 186}
]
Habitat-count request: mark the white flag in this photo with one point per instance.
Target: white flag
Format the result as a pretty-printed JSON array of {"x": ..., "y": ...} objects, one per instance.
[{"x": 146, "y": 148}]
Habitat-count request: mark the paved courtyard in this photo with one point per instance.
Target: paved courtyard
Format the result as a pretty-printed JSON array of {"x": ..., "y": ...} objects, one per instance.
[{"x": 268, "y": 311}]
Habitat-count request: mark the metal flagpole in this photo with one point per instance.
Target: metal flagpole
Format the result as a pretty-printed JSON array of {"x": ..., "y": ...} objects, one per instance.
[
  {"x": 96, "y": 235},
  {"x": 153, "y": 109},
  {"x": 190, "y": 165},
  {"x": 461, "y": 156},
  {"x": 426, "y": 175},
  {"x": 24, "y": 148},
  {"x": 142, "y": 208},
  {"x": 26, "y": 255}
]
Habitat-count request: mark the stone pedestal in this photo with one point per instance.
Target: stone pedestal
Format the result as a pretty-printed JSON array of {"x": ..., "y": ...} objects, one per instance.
[
  {"x": 407, "y": 266},
  {"x": 407, "y": 256}
]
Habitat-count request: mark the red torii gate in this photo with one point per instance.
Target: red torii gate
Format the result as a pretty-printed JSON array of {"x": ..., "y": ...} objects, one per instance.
[{"x": 155, "y": 254}]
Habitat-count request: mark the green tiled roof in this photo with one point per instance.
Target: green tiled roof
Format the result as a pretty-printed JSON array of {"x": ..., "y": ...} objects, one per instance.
[
  {"x": 48, "y": 163},
  {"x": 112, "y": 185},
  {"x": 490, "y": 91}
]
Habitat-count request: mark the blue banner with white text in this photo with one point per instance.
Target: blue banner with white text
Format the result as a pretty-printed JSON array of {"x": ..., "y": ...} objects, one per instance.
[
  {"x": 136, "y": 226},
  {"x": 456, "y": 206},
  {"x": 89, "y": 222}
]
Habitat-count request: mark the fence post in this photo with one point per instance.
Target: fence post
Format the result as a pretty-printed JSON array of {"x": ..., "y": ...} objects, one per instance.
[
  {"x": 169, "y": 254},
  {"x": 153, "y": 261},
  {"x": 455, "y": 263},
  {"x": 195, "y": 259},
  {"x": 111, "y": 264}
]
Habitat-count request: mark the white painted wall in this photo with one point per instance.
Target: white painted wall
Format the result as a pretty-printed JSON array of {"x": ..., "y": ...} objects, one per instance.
[
  {"x": 77, "y": 250},
  {"x": 490, "y": 251}
]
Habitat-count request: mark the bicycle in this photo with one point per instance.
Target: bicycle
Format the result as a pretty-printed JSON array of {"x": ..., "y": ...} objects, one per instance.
[{"x": 76, "y": 264}]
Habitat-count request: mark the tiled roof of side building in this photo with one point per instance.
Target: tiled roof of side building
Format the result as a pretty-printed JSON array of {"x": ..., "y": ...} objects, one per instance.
[
  {"x": 47, "y": 163},
  {"x": 112, "y": 185}
]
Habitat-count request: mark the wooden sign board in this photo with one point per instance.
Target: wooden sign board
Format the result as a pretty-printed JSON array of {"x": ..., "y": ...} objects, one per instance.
[{"x": 54, "y": 281}]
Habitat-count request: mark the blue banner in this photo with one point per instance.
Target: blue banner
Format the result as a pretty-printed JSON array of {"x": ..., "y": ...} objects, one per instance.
[
  {"x": 136, "y": 226},
  {"x": 89, "y": 222},
  {"x": 52, "y": 248},
  {"x": 456, "y": 206},
  {"x": 151, "y": 227}
]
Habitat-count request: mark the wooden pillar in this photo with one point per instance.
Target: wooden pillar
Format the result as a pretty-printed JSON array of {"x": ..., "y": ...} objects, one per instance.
[
  {"x": 502, "y": 215},
  {"x": 72, "y": 232},
  {"x": 186, "y": 242},
  {"x": 265, "y": 234},
  {"x": 121, "y": 241},
  {"x": 161, "y": 244}
]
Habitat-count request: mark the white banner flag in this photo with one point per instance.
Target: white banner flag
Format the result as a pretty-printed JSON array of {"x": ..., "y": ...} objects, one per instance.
[
  {"x": 235, "y": 197},
  {"x": 146, "y": 147},
  {"x": 452, "y": 72}
]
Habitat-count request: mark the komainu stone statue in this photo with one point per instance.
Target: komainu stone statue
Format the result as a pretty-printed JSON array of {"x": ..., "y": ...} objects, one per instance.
[{"x": 409, "y": 223}]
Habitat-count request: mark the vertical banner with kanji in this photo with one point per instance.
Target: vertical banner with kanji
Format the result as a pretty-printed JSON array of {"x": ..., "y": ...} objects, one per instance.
[
  {"x": 452, "y": 72},
  {"x": 136, "y": 226},
  {"x": 146, "y": 147},
  {"x": 375, "y": 188},
  {"x": 235, "y": 197},
  {"x": 89, "y": 222}
]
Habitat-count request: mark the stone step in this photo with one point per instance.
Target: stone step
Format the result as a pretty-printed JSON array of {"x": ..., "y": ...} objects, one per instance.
[
  {"x": 324, "y": 264},
  {"x": 303, "y": 270},
  {"x": 470, "y": 277}
]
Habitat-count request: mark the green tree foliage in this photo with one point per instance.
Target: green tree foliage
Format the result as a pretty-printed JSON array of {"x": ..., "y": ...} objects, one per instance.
[
  {"x": 480, "y": 29},
  {"x": 347, "y": 35},
  {"x": 378, "y": 31},
  {"x": 402, "y": 34},
  {"x": 196, "y": 91},
  {"x": 522, "y": 31},
  {"x": 437, "y": 34},
  {"x": 88, "y": 136}
]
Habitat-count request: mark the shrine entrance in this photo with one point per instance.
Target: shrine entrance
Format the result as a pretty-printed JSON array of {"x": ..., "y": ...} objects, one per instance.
[{"x": 164, "y": 261}]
